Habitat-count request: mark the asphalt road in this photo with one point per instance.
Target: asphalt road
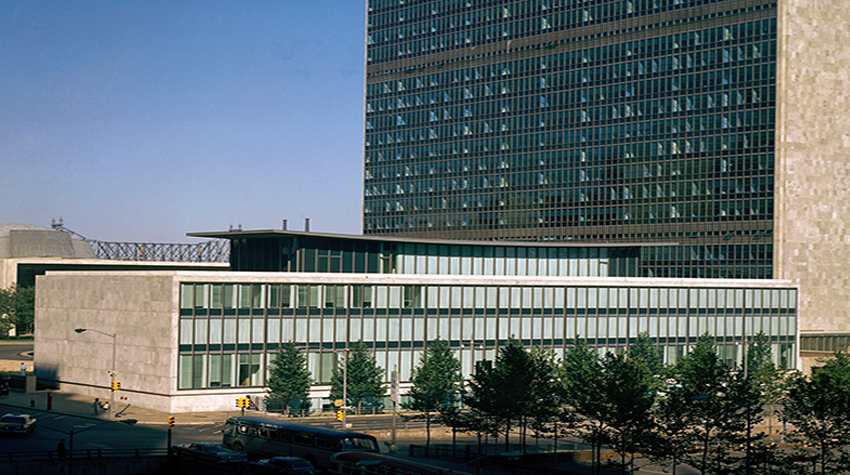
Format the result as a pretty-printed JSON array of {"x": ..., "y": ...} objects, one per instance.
[
  {"x": 15, "y": 351},
  {"x": 90, "y": 434}
]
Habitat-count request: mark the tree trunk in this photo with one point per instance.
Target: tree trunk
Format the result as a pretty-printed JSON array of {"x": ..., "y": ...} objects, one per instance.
[{"x": 427, "y": 432}]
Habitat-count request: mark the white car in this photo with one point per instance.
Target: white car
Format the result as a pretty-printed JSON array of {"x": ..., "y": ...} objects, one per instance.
[{"x": 17, "y": 423}]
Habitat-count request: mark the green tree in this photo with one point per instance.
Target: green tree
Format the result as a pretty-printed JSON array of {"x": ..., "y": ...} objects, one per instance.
[
  {"x": 611, "y": 399},
  {"x": 505, "y": 393},
  {"x": 581, "y": 392},
  {"x": 819, "y": 410},
  {"x": 669, "y": 443},
  {"x": 760, "y": 356},
  {"x": 714, "y": 406},
  {"x": 624, "y": 411},
  {"x": 545, "y": 397},
  {"x": 289, "y": 378},
  {"x": 17, "y": 308},
  {"x": 365, "y": 377},
  {"x": 647, "y": 354},
  {"x": 767, "y": 380},
  {"x": 6, "y": 309},
  {"x": 436, "y": 381},
  {"x": 472, "y": 419}
]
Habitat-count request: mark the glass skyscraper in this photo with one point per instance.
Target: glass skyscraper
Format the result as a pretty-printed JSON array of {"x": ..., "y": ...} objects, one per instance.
[
  {"x": 614, "y": 121},
  {"x": 719, "y": 125}
]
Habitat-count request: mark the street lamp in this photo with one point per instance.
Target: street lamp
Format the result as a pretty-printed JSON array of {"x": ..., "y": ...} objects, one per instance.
[
  {"x": 749, "y": 420},
  {"x": 112, "y": 373}
]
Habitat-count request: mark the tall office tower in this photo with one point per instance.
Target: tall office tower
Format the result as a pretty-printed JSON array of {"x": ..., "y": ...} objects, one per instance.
[{"x": 720, "y": 125}]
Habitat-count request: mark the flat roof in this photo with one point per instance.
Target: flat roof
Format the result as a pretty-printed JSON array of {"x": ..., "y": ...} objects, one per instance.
[
  {"x": 254, "y": 277},
  {"x": 277, "y": 233}
]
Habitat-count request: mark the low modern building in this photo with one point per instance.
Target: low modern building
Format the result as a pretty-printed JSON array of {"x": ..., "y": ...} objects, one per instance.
[{"x": 193, "y": 340}]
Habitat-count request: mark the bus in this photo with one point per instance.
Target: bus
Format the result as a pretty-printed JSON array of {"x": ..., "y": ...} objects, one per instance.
[
  {"x": 266, "y": 437},
  {"x": 364, "y": 463}
]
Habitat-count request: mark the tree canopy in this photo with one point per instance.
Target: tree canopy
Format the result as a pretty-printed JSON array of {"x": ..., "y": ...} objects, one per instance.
[
  {"x": 436, "y": 381},
  {"x": 289, "y": 378},
  {"x": 365, "y": 379},
  {"x": 17, "y": 308},
  {"x": 819, "y": 410}
]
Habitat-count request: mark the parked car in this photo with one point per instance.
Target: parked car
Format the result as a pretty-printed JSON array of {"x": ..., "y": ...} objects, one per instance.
[
  {"x": 284, "y": 466},
  {"x": 213, "y": 453},
  {"x": 17, "y": 423}
]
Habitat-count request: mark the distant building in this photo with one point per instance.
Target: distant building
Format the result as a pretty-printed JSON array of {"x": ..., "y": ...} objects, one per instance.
[
  {"x": 27, "y": 251},
  {"x": 191, "y": 340}
]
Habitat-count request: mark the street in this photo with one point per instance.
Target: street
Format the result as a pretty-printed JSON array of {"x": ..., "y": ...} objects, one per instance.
[
  {"x": 91, "y": 434},
  {"x": 94, "y": 434}
]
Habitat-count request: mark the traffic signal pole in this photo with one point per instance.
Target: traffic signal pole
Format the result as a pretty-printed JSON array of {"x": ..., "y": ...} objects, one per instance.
[{"x": 170, "y": 425}]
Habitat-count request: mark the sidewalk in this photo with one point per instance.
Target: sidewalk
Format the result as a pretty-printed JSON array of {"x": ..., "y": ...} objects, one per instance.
[{"x": 81, "y": 406}]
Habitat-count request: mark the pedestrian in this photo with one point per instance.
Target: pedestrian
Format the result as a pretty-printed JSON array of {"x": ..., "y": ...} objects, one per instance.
[
  {"x": 105, "y": 406},
  {"x": 23, "y": 369},
  {"x": 96, "y": 405},
  {"x": 61, "y": 450},
  {"x": 32, "y": 402}
]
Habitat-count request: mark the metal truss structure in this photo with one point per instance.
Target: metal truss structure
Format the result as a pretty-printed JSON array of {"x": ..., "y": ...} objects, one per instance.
[{"x": 216, "y": 250}]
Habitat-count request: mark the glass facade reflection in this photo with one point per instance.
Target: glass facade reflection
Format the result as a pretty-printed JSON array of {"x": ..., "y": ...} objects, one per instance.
[
  {"x": 614, "y": 121},
  {"x": 228, "y": 330}
]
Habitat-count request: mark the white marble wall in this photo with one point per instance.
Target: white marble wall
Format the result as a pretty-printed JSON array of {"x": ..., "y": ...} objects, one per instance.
[
  {"x": 141, "y": 308},
  {"x": 813, "y": 159}
]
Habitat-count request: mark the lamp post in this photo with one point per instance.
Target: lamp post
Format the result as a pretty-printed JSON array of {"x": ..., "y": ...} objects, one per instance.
[
  {"x": 112, "y": 373},
  {"x": 749, "y": 421}
]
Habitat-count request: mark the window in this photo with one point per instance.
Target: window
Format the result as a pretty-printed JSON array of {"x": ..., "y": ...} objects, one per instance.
[{"x": 412, "y": 296}]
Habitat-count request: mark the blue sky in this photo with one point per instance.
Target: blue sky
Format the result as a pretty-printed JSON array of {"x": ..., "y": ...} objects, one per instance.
[{"x": 144, "y": 120}]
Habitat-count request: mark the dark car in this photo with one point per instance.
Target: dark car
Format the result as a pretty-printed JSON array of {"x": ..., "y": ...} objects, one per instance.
[
  {"x": 213, "y": 453},
  {"x": 284, "y": 466}
]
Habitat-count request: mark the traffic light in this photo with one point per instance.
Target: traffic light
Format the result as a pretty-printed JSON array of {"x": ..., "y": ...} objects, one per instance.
[
  {"x": 170, "y": 422},
  {"x": 243, "y": 402},
  {"x": 116, "y": 385},
  {"x": 339, "y": 415}
]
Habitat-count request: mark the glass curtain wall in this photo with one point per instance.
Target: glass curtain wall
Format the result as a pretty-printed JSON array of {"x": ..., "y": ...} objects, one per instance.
[{"x": 228, "y": 332}]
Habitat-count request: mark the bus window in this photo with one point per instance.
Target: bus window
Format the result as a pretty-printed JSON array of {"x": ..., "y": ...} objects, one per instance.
[
  {"x": 285, "y": 436},
  {"x": 302, "y": 439},
  {"x": 323, "y": 443},
  {"x": 356, "y": 443}
]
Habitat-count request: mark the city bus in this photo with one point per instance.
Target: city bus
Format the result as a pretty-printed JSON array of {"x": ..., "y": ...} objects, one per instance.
[
  {"x": 364, "y": 463},
  {"x": 267, "y": 437}
]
